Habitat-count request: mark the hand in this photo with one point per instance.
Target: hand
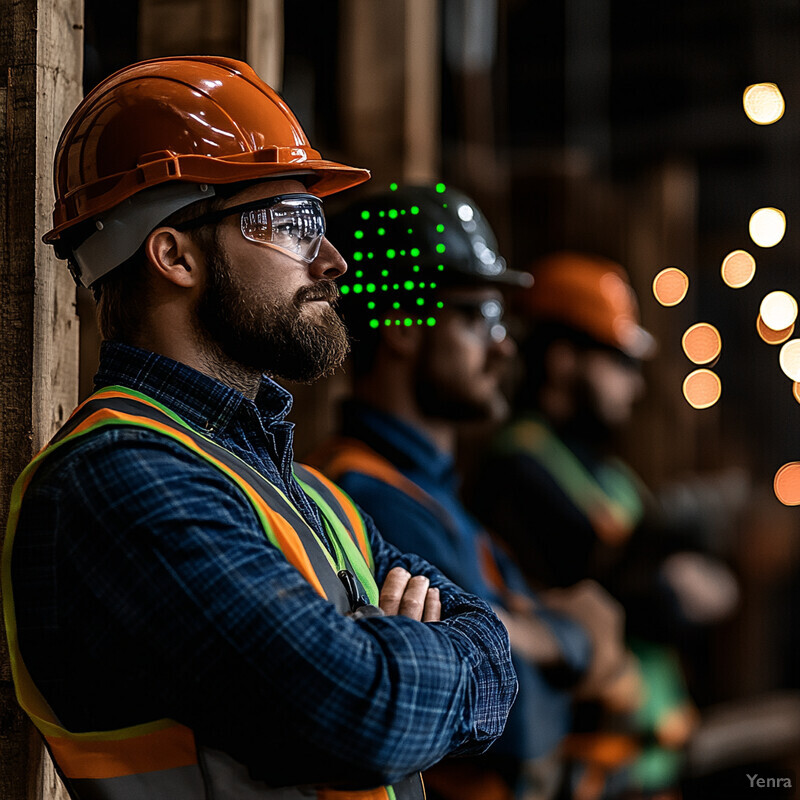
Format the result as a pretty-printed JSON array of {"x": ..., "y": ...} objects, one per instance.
[
  {"x": 406, "y": 596},
  {"x": 603, "y": 619}
]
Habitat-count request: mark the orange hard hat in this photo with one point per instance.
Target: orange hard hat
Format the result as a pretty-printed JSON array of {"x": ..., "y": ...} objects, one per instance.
[
  {"x": 193, "y": 119},
  {"x": 591, "y": 294}
]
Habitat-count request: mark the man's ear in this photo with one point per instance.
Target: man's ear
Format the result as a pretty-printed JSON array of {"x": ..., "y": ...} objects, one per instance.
[
  {"x": 400, "y": 339},
  {"x": 174, "y": 256}
]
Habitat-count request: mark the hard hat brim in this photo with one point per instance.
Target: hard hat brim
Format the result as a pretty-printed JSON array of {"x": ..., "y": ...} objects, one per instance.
[{"x": 84, "y": 204}]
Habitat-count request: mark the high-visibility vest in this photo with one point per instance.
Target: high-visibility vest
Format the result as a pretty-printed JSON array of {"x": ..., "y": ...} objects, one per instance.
[
  {"x": 344, "y": 454},
  {"x": 162, "y": 760},
  {"x": 611, "y": 500}
]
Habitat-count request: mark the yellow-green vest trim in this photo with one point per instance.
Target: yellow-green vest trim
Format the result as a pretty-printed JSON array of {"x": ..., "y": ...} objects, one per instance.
[
  {"x": 611, "y": 500},
  {"x": 161, "y": 760}
]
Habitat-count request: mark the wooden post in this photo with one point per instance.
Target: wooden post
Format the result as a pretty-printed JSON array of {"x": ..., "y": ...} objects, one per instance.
[
  {"x": 265, "y": 40},
  {"x": 41, "y": 57}
]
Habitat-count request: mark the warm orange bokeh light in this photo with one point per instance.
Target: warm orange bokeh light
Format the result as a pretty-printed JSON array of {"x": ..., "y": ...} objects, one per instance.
[
  {"x": 702, "y": 388},
  {"x": 767, "y": 226},
  {"x": 778, "y": 310},
  {"x": 702, "y": 343},
  {"x": 787, "y": 484},
  {"x": 790, "y": 359},
  {"x": 763, "y": 103},
  {"x": 773, "y": 337},
  {"x": 670, "y": 286},
  {"x": 738, "y": 269}
]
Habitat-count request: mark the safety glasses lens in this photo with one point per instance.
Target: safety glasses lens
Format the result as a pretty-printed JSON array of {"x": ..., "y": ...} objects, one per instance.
[{"x": 296, "y": 226}]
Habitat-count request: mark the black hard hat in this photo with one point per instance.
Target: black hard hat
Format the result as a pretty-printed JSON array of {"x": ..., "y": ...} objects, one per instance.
[{"x": 402, "y": 245}]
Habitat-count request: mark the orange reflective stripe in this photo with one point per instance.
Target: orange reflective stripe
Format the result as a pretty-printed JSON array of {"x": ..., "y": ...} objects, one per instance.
[
  {"x": 285, "y": 535},
  {"x": 350, "y": 455},
  {"x": 356, "y": 523},
  {"x": 367, "y": 794},
  {"x": 112, "y": 758}
]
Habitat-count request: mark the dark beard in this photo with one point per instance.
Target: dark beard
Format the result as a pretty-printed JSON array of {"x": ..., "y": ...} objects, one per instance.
[
  {"x": 436, "y": 400},
  {"x": 279, "y": 339}
]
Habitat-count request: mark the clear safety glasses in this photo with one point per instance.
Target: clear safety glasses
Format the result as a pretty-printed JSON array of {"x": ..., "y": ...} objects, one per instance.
[
  {"x": 292, "y": 223},
  {"x": 487, "y": 312}
]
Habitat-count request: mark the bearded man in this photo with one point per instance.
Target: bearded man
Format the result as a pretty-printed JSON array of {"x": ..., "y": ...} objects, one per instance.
[{"x": 190, "y": 614}]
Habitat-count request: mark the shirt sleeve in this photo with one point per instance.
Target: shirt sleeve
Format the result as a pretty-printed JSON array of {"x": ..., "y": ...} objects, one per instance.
[{"x": 161, "y": 597}]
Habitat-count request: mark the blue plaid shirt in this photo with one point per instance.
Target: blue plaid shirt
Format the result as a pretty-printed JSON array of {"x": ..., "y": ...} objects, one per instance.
[{"x": 145, "y": 588}]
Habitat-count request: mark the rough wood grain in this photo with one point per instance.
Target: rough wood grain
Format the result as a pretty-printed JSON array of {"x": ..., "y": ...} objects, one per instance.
[{"x": 40, "y": 74}]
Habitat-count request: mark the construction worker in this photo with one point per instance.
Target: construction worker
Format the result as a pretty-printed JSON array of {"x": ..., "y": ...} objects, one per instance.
[
  {"x": 191, "y": 615},
  {"x": 424, "y": 308},
  {"x": 586, "y": 514}
]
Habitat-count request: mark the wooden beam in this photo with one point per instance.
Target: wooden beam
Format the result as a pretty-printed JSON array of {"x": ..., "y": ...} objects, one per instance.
[
  {"x": 41, "y": 58},
  {"x": 264, "y": 51},
  {"x": 422, "y": 93}
]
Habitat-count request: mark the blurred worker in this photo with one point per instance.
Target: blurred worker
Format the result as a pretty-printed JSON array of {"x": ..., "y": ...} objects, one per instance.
[
  {"x": 570, "y": 509},
  {"x": 425, "y": 308},
  {"x": 197, "y": 616}
]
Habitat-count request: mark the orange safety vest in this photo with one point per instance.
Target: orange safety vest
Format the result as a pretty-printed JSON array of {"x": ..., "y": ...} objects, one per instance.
[{"x": 161, "y": 760}]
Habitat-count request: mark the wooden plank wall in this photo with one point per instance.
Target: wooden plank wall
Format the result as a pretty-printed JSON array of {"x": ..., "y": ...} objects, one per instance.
[{"x": 41, "y": 51}]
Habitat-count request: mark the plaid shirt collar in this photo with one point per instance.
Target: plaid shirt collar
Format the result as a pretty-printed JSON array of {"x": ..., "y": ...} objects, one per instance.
[{"x": 204, "y": 402}]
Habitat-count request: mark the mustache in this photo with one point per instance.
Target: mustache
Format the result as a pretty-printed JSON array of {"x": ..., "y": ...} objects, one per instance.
[{"x": 323, "y": 289}]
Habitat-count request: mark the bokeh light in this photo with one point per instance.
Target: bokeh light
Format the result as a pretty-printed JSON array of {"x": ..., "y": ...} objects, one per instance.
[
  {"x": 702, "y": 388},
  {"x": 773, "y": 337},
  {"x": 790, "y": 359},
  {"x": 787, "y": 484},
  {"x": 738, "y": 269},
  {"x": 767, "y": 226},
  {"x": 670, "y": 286},
  {"x": 702, "y": 343},
  {"x": 763, "y": 103},
  {"x": 778, "y": 310},
  {"x": 796, "y": 391}
]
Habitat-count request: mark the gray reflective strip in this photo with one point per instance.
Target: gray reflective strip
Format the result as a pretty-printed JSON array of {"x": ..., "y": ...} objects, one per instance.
[
  {"x": 221, "y": 778},
  {"x": 181, "y": 783},
  {"x": 410, "y": 789}
]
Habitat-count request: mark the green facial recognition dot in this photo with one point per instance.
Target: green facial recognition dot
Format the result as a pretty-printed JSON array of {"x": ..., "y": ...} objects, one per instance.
[
  {"x": 384, "y": 273},
  {"x": 440, "y": 187},
  {"x": 359, "y": 273},
  {"x": 365, "y": 215},
  {"x": 420, "y": 301},
  {"x": 381, "y": 213},
  {"x": 370, "y": 255},
  {"x": 415, "y": 209},
  {"x": 395, "y": 286},
  {"x": 440, "y": 267},
  {"x": 439, "y": 228},
  {"x": 345, "y": 290},
  {"x": 402, "y": 252},
  {"x": 387, "y": 322},
  {"x": 411, "y": 230},
  {"x": 371, "y": 305},
  {"x": 415, "y": 268},
  {"x": 390, "y": 254},
  {"x": 414, "y": 252},
  {"x": 431, "y": 321},
  {"x": 358, "y": 256},
  {"x": 393, "y": 213},
  {"x": 407, "y": 322},
  {"x": 373, "y": 323},
  {"x": 433, "y": 286},
  {"x": 393, "y": 187},
  {"x": 381, "y": 231},
  {"x": 357, "y": 288},
  {"x": 440, "y": 304},
  {"x": 359, "y": 234},
  {"x": 408, "y": 285},
  {"x": 440, "y": 248},
  {"x": 370, "y": 287},
  {"x": 395, "y": 305}
]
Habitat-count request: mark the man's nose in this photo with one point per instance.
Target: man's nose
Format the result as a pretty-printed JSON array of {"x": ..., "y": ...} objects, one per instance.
[{"x": 328, "y": 263}]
